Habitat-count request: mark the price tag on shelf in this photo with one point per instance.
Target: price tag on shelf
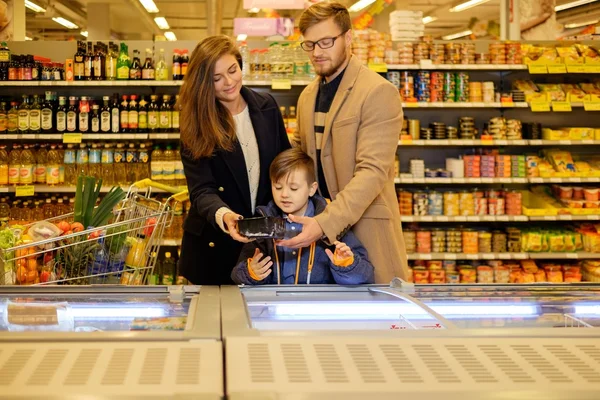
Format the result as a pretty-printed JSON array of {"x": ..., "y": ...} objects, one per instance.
[
  {"x": 540, "y": 106},
  {"x": 555, "y": 180},
  {"x": 473, "y": 218},
  {"x": 472, "y": 256},
  {"x": 504, "y": 256},
  {"x": 537, "y": 69},
  {"x": 565, "y": 218},
  {"x": 72, "y": 137},
  {"x": 591, "y": 106},
  {"x": 593, "y": 217},
  {"x": 591, "y": 69},
  {"x": 507, "y": 104},
  {"x": 426, "y": 64},
  {"x": 561, "y": 106},
  {"x": 442, "y": 142},
  {"x": 450, "y": 256},
  {"x": 411, "y": 104},
  {"x": 26, "y": 190},
  {"x": 489, "y": 218},
  {"x": 442, "y": 218},
  {"x": 557, "y": 69},
  {"x": 536, "y": 142},
  {"x": 587, "y": 141},
  {"x": 575, "y": 69},
  {"x": 503, "y": 218},
  {"x": 424, "y": 256},
  {"x": 379, "y": 67},
  {"x": 488, "y": 256},
  {"x": 487, "y": 142},
  {"x": 519, "y": 256},
  {"x": 281, "y": 84},
  {"x": 572, "y": 255},
  {"x": 426, "y": 218},
  {"x": 550, "y": 217}
]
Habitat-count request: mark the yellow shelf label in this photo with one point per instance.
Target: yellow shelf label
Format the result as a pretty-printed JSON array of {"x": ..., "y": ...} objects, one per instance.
[
  {"x": 592, "y": 69},
  {"x": 557, "y": 69},
  {"x": 72, "y": 137},
  {"x": 281, "y": 84},
  {"x": 561, "y": 106},
  {"x": 411, "y": 105},
  {"x": 26, "y": 190},
  {"x": 406, "y": 141},
  {"x": 591, "y": 106},
  {"x": 540, "y": 106},
  {"x": 538, "y": 69},
  {"x": 575, "y": 69},
  {"x": 378, "y": 67},
  {"x": 487, "y": 142}
]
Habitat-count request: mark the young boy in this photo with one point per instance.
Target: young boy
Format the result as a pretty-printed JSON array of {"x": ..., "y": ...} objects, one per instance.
[{"x": 262, "y": 262}]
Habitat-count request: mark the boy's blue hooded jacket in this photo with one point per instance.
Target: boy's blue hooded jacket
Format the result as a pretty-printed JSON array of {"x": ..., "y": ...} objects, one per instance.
[{"x": 323, "y": 272}]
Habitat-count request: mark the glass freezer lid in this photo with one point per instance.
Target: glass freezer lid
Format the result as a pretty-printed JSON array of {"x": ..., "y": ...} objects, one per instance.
[{"x": 65, "y": 311}]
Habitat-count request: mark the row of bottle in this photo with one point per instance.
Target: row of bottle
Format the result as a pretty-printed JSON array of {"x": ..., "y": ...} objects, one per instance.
[
  {"x": 279, "y": 61},
  {"x": 86, "y": 115},
  {"x": 27, "y": 68},
  {"x": 38, "y": 208}
]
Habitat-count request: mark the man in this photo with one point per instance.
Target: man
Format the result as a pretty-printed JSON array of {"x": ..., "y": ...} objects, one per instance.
[{"x": 349, "y": 122}]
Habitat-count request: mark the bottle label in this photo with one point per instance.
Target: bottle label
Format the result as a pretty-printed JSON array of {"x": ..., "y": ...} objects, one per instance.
[
  {"x": 162, "y": 74},
  {"x": 184, "y": 68},
  {"x": 69, "y": 157},
  {"x": 165, "y": 119},
  {"x": 28, "y": 74},
  {"x": 95, "y": 124},
  {"x": 13, "y": 122},
  {"x": 26, "y": 174},
  {"x": 147, "y": 74},
  {"x": 46, "y": 119},
  {"x": 107, "y": 156},
  {"x": 152, "y": 119},
  {"x": 78, "y": 69},
  {"x": 82, "y": 156},
  {"x": 35, "y": 120},
  {"x": 95, "y": 156},
  {"x": 97, "y": 68},
  {"x": 13, "y": 174},
  {"x": 87, "y": 68},
  {"x": 156, "y": 170},
  {"x": 40, "y": 173},
  {"x": 35, "y": 74},
  {"x": 175, "y": 120},
  {"x": 4, "y": 56},
  {"x": 111, "y": 68},
  {"x": 133, "y": 119},
  {"x": 3, "y": 174},
  {"x": 23, "y": 120},
  {"x": 179, "y": 174},
  {"x": 105, "y": 121},
  {"x": 143, "y": 120},
  {"x": 114, "y": 123},
  {"x": 61, "y": 121},
  {"x": 176, "y": 69},
  {"x": 143, "y": 156},
  {"x": 83, "y": 121},
  {"x": 71, "y": 121},
  {"x": 123, "y": 72},
  {"x": 3, "y": 123},
  {"x": 52, "y": 174},
  {"x": 135, "y": 73},
  {"x": 119, "y": 156},
  {"x": 168, "y": 170},
  {"x": 61, "y": 174},
  {"x": 132, "y": 156},
  {"x": 124, "y": 119}
]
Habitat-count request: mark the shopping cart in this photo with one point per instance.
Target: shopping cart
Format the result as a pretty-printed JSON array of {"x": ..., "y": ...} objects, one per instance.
[
  {"x": 122, "y": 252},
  {"x": 572, "y": 321}
]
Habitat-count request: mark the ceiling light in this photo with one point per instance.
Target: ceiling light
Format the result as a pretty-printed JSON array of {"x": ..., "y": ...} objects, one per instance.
[
  {"x": 65, "y": 22},
  {"x": 34, "y": 7},
  {"x": 580, "y": 24},
  {"x": 467, "y": 4},
  {"x": 359, "y": 5},
  {"x": 149, "y": 6},
  {"x": 457, "y": 35},
  {"x": 28, "y": 38},
  {"x": 84, "y": 33},
  {"x": 162, "y": 22},
  {"x": 429, "y": 19},
  {"x": 572, "y": 4},
  {"x": 170, "y": 36},
  {"x": 241, "y": 37},
  {"x": 254, "y": 10}
]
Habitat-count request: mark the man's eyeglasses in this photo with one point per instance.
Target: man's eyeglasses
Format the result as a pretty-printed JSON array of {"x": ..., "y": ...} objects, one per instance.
[{"x": 324, "y": 43}]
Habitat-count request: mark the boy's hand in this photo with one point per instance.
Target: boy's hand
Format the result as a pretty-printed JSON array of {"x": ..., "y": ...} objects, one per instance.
[
  {"x": 259, "y": 267},
  {"x": 342, "y": 255}
]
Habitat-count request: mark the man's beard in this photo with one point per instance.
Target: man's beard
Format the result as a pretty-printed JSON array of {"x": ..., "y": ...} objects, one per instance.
[{"x": 331, "y": 71}]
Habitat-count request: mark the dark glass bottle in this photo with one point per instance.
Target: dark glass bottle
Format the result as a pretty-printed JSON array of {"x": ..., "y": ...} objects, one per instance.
[
  {"x": 88, "y": 63},
  {"x": 115, "y": 125},
  {"x": 143, "y": 115},
  {"x": 124, "y": 114},
  {"x": 105, "y": 115},
  {"x": 133, "y": 114},
  {"x": 24, "y": 115},
  {"x": 61, "y": 115},
  {"x": 48, "y": 114},
  {"x": 3, "y": 118},
  {"x": 99, "y": 62},
  {"x": 29, "y": 65},
  {"x": 153, "y": 114},
  {"x": 78, "y": 62},
  {"x": 95, "y": 119},
  {"x": 13, "y": 74},
  {"x": 148, "y": 69},
  {"x": 4, "y": 61},
  {"x": 135, "y": 72},
  {"x": 84, "y": 115},
  {"x": 165, "y": 114},
  {"x": 21, "y": 68},
  {"x": 35, "y": 115},
  {"x": 72, "y": 115}
]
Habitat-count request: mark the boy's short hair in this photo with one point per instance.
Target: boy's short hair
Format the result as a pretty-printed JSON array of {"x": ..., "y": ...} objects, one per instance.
[
  {"x": 320, "y": 12},
  {"x": 291, "y": 160}
]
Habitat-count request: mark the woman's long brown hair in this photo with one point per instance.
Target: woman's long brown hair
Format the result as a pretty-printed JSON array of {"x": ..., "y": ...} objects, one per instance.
[{"x": 206, "y": 124}]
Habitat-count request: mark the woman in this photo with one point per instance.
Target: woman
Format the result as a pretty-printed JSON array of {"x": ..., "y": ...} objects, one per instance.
[{"x": 229, "y": 134}]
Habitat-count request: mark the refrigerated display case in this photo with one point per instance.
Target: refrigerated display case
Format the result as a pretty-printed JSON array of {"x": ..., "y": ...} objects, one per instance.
[{"x": 109, "y": 312}]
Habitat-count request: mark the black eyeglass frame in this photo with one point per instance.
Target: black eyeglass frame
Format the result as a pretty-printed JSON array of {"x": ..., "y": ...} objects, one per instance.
[{"x": 318, "y": 42}]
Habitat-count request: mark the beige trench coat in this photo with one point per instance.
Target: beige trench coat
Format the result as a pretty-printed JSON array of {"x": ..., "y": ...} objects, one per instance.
[{"x": 359, "y": 144}]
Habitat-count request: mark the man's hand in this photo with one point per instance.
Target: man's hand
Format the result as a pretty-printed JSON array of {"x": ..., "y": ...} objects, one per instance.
[
  {"x": 230, "y": 220},
  {"x": 260, "y": 268},
  {"x": 311, "y": 232}
]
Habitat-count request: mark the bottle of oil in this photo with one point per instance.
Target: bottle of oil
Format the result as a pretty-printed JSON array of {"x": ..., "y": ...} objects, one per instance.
[
  {"x": 120, "y": 169},
  {"x": 108, "y": 176},
  {"x": 70, "y": 165},
  {"x": 14, "y": 165},
  {"x": 95, "y": 161},
  {"x": 3, "y": 166},
  {"x": 40, "y": 169},
  {"x": 53, "y": 166},
  {"x": 26, "y": 166},
  {"x": 82, "y": 159}
]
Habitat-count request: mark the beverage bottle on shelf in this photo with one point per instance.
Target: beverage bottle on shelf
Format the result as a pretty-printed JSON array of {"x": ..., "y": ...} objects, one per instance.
[
  {"x": 284, "y": 116},
  {"x": 265, "y": 64},
  {"x": 176, "y": 65},
  {"x": 179, "y": 173},
  {"x": 61, "y": 115},
  {"x": 143, "y": 162},
  {"x": 4, "y": 213},
  {"x": 95, "y": 161},
  {"x": 14, "y": 165},
  {"x": 111, "y": 62},
  {"x": 35, "y": 115},
  {"x": 148, "y": 68},
  {"x": 132, "y": 117},
  {"x": 48, "y": 209},
  {"x": 53, "y": 166},
  {"x": 162, "y": 72},
  {"x": 245, "y": 53},
  {"x": 177, "y": 223},
  {"x": 82, "y": 159},
  {"x": 108, "y": 176},
  {"x": 169, "y": 270},
  {"x": 115, "y": 111},
  {"x": 38, "y": 212},
  {"x": 21, "y": 68},
  {"x": 48, "y": 114},
  {"x": 153, "y": 114},
  {"x": 292, "y": 124},
  {"x": 185, "y": 60},
  {"x": 143, "y": 115},
  {"x": 124, "y": 114},
  {"x": 61, "y": 208},
  {"x": 95, "y": 119},
  {"x": 61, "y": 166},
  {"x": 169, "y": 166},
  {"x": 12, "y": 118},
  {"x": 275, "y": 59},
  {"x": 15, "y": 213},
  {"x": 41, "y": 162},
  {"x": 26, "y": 213},
  {"x": 156, "y": 166},
  {"x": 12, "y": 69},
  {"x": 175, "y": 115},
  {"x": 26, "y": 168},
  {"x": 105, "y": 115},
  {"x": 3, "y": 166},
  {"x": 165, "y": 114},
  {"x": 78, "y": 62},
  {"x": 123, "y": 63},
  {"x": 88, "y": 63},
  {"x": 84, "y": 115},
  {"x": 71, "y": 205},
  {"x": 99, "y": 62},
  {"x": 300, "y": 61},
  {"x": 69, "y": 161},
  {"x": 3, "y": 118},
  {"x": 287, "y": 61},
  {"x": 4, "y": 61},
  {"x": 254, "y": 61},
  {"x": 132, "y": 160},
  {"x": 120, "y": 169},
  {"x": 135, "y": 71},
  {"x": 24, "y": 115},
  {"x": 72, "y": 115}
]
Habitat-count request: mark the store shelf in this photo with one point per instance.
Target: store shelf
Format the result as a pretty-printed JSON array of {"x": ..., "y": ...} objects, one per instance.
[
  {"x": 457, "y": 181},
  {"x": 464, "y": 105},
  {"x": 163, "y": 136},
  {"x": 300, "y": 82},
  {"x": 91, "y": 136},
  {"x": 479, "y": 142},
  {"x": 170, "y": 242},
  {"x": 64, "y": 189},
  {"x": 458, "y": 67},
  {"x": 504, "y": 256},
  {"x": 563, "y": 142},
  {"x": 565, "y": 218},
  {"x": 473, "y": 218},
  {"x": 91, "y": 83}
]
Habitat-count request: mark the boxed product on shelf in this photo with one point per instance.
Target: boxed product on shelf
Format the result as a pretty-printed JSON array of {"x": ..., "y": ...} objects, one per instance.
[
  {"x": 570, "y": 133},
  {"x": 591, "y": 270}
]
